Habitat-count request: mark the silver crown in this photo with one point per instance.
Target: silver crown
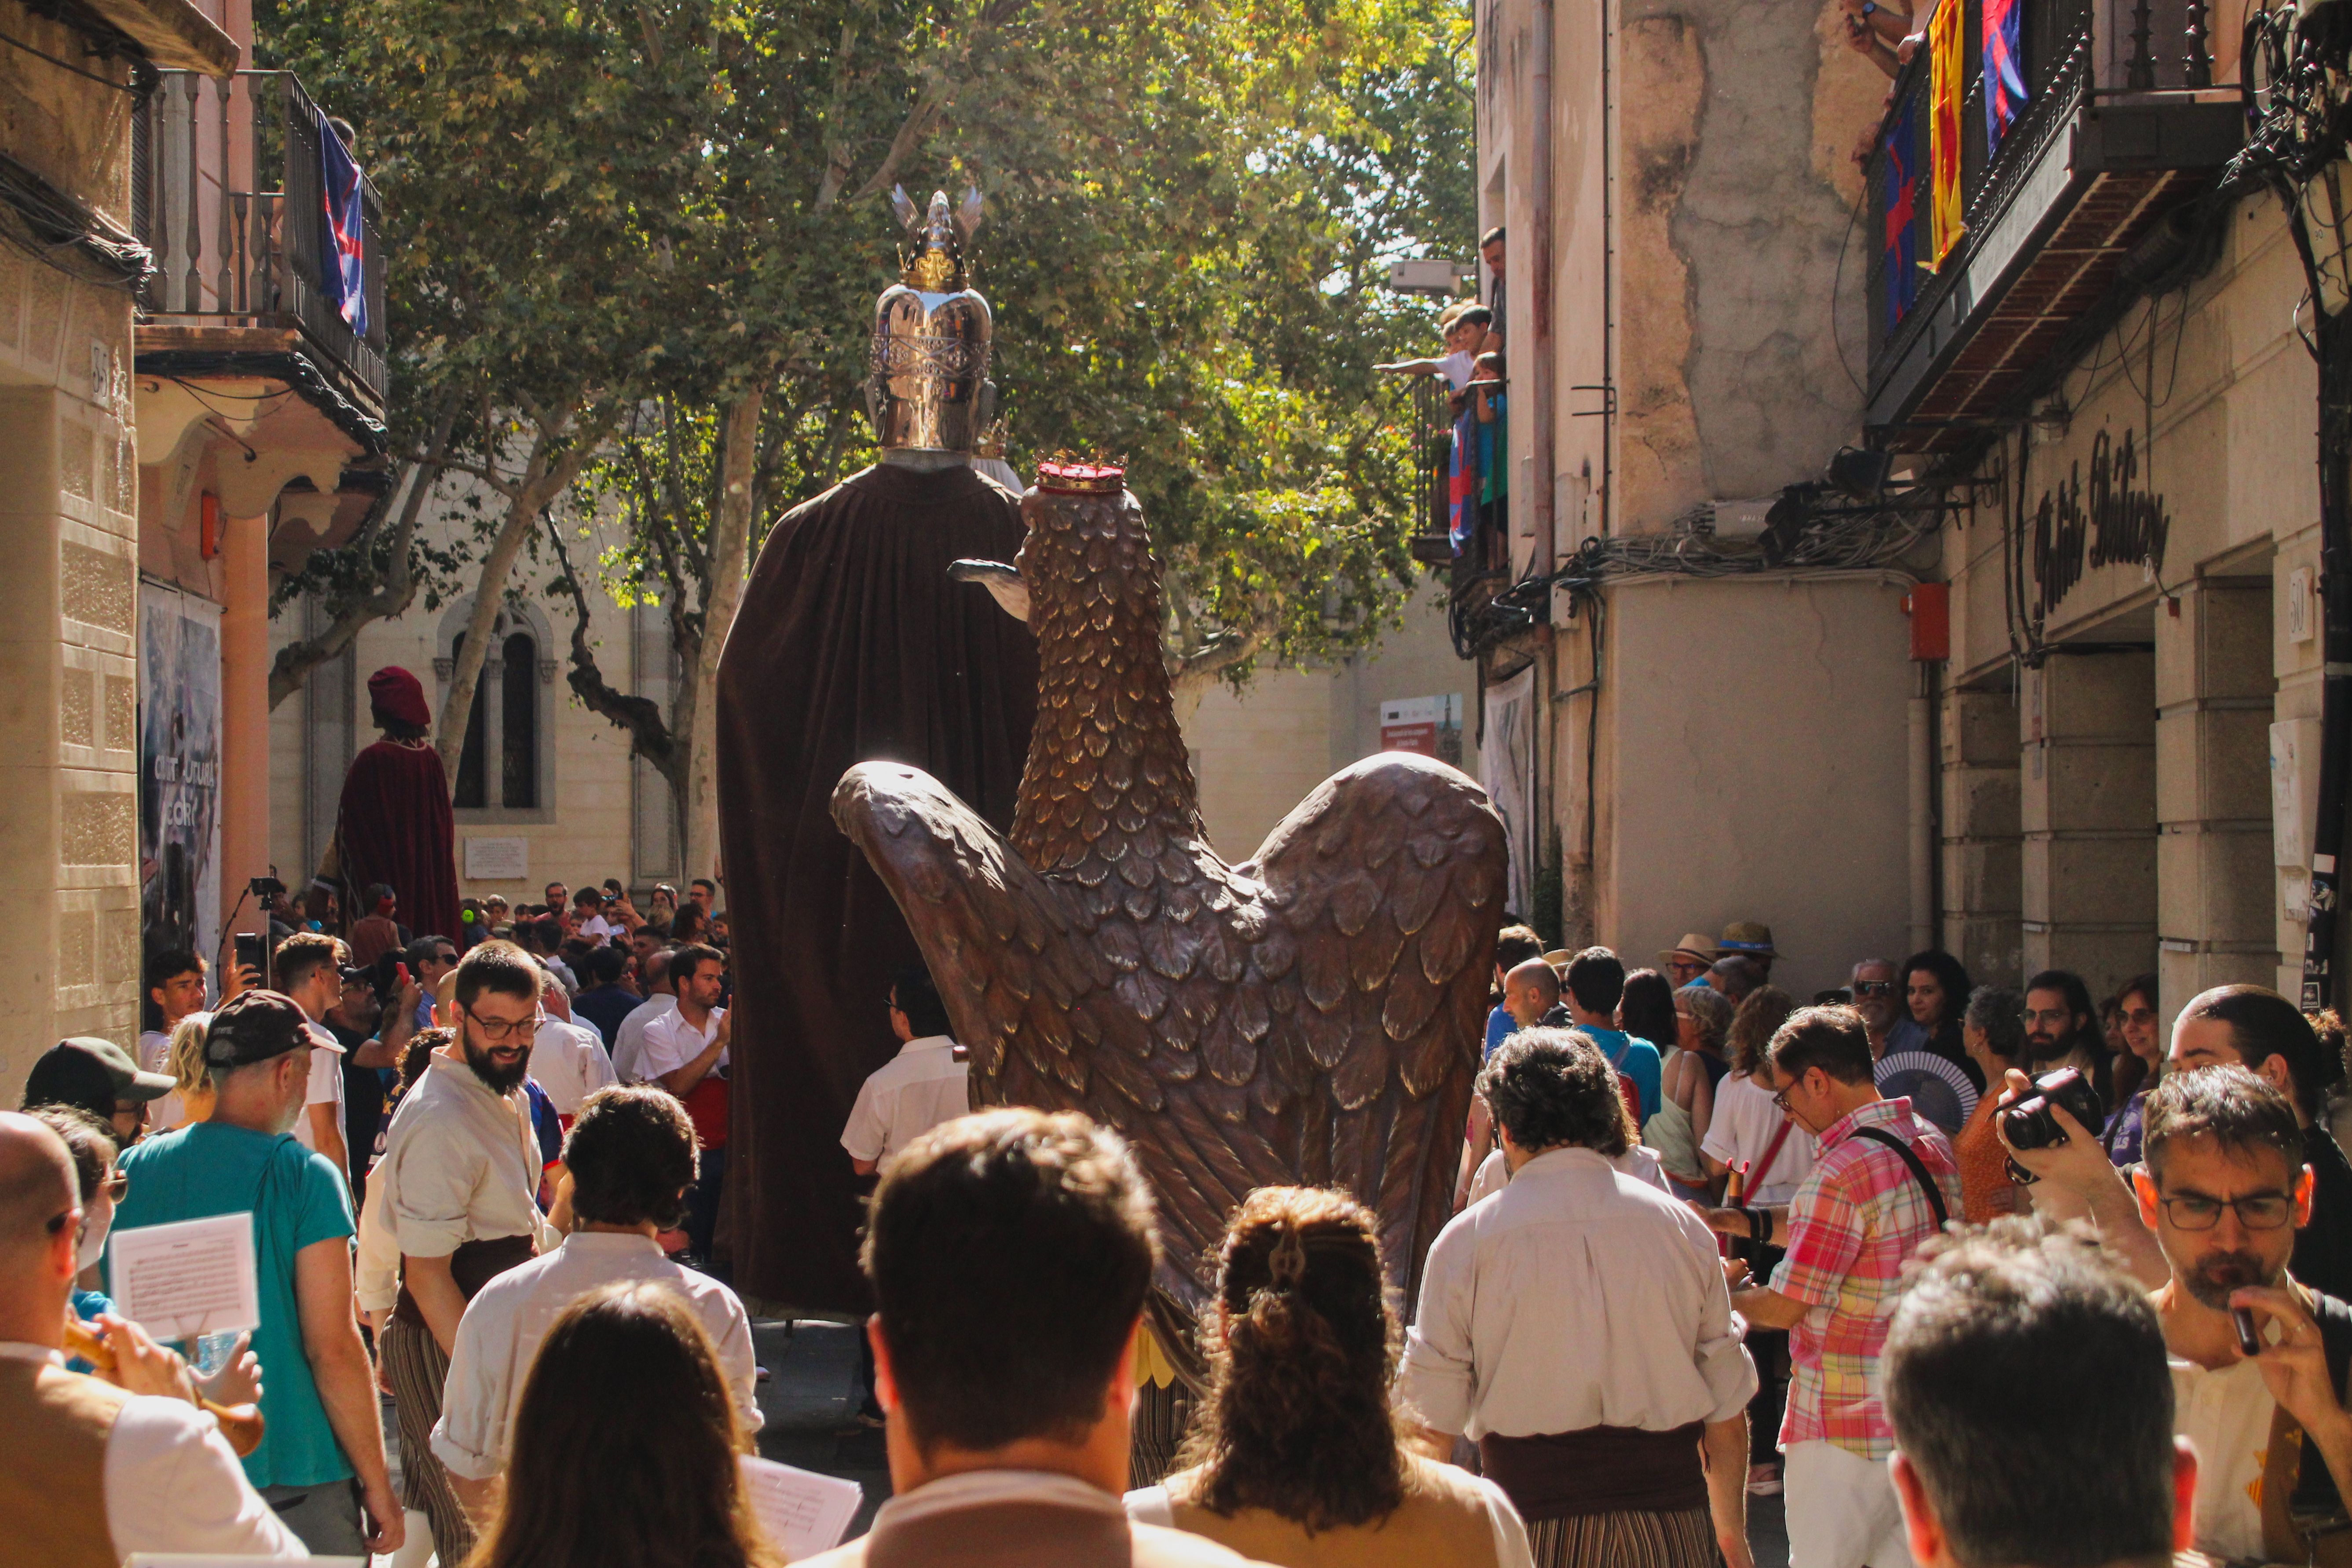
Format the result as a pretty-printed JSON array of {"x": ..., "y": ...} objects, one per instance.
[{"x": 928, "y": 386}]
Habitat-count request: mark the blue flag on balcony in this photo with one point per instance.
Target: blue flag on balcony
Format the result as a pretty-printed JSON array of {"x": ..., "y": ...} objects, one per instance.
[
  {"x": 1899, "y": 200},
  {"x": 343, "y": 268},
  {"x": 2004, "y": 76}
]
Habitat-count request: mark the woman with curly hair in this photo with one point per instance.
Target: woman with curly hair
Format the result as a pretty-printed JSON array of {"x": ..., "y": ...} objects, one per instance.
[{"x": 1294, "y": 1455}]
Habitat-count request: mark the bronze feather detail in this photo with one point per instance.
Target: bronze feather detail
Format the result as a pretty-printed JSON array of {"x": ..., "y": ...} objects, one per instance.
[{"x": 1312, "y": 1015}]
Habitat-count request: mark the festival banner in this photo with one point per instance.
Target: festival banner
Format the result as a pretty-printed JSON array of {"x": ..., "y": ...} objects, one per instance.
[
  {"x": 1946, "y": 59},
  {"x": 2004, "y": 76},
  {"x": 178, "y": 771},
  {"x": 344, "y": 266},
  {"x": 1506, "y": 766},
  {"x": 1899, "y": 198}
]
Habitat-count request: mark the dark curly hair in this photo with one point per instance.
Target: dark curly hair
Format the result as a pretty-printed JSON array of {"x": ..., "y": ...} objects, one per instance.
[
  {"x": 630, "y": 1152},
  {"x": 1302, "y": 1345},
  {"x": 1550, "y": 1087}
]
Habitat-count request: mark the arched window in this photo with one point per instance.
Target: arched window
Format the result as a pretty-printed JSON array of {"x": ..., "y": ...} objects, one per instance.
[
  {"x": 503, "y": 772},
  {"x": 469, "y": 791},
  {"x": 518, "y": 694}
]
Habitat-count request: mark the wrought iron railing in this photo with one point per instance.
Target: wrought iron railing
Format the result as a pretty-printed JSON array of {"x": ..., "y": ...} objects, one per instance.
[
  {"x": 2070, "y": 51},
  {"x": 1433, "y": 440},
  {"x": 229, "y": 251}
]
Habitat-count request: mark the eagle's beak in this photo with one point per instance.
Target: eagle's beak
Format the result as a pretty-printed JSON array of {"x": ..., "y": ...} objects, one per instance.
[{"x": 1004, "y": 582}]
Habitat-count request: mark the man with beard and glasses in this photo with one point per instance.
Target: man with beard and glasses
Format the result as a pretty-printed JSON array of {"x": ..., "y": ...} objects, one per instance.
[
  {"x": 2062, "y": 1028},
  {"x": 2268, "y": 1035},
  {"x": 461, "y": 1172},
  {"x": 2225, "y": 1188}
]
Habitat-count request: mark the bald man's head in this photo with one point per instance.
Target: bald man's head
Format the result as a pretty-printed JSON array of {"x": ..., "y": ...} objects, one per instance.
[
  {"x": 1530, "y": 991},
  {"x": 37, "y": 1185}
]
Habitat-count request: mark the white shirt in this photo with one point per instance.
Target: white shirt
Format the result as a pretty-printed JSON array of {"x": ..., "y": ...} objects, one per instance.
[
  {"x": 671, "y": 1042},
  {"x": 376, "y": 1277},
  {"x": 1576, "y": 1297},
  {"x": 1640, "y": 1162},
  {"x": 1745, "y": 1123},
  {"x": 1459, "y": 368},
  {"x": 503, "y": 1325},
  {"x": 907, "y": 1096},
  {"x": 461, "y": 1163},
  {"x": 568, "y": 1061},
  {"x": 629, "y": 1039},
  {"x": 155, "y": 1055},
  {"x": 2226, "y": 1413},
  {"x": 173, "y": 1483},
  {"x": 597, "y": 928},
  {"x": 326, "y": 1084}
]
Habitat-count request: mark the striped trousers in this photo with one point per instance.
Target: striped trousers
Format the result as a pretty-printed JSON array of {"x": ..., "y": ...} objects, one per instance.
[
  {"x": 415, "y": 1367},
  {"x": 1632, "y": 1540}
]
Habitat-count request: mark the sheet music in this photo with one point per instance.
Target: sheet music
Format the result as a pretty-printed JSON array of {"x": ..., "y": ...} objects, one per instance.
[
  {"x": 180, "y": 1280},
  {"x": 803, "y": 1512}
]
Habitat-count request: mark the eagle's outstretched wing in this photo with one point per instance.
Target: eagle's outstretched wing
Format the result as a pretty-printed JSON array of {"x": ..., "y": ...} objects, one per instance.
[
  {"x": 1385, "y": 888},
  {"x": 1034, "y": 986}
]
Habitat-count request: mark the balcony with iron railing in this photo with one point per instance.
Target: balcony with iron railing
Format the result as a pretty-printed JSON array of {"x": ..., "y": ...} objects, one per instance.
[
  {"x": 241, "y": 271},
  {"x": 2128, "y": 115}
]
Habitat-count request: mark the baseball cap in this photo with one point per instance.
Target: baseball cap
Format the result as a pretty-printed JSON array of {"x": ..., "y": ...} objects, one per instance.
[
  {"x": 91, "y": 1073},
  {"x": 255, "y": 1026}
]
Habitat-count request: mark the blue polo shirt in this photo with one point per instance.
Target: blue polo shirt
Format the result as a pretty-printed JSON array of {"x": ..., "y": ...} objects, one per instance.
[{"x": 296, "y": 1198}]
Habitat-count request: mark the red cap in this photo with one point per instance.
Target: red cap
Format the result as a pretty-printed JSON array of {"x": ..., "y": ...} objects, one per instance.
[{"x": 401, "y": 694}]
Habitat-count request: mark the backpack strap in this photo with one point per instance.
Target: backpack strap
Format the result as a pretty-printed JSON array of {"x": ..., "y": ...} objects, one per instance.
[{"x": 1926, "y": 1182}]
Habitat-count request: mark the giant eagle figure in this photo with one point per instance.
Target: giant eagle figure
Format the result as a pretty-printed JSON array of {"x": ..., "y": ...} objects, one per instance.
[{"x": 1312, "y": 1015}]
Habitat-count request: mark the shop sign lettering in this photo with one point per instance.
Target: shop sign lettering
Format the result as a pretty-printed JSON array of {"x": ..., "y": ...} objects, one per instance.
[{"x": 2111, "y": 520}]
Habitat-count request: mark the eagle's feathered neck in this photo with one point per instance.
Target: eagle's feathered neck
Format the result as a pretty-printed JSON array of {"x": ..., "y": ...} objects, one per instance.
[{"x": 1109, "y": 774}]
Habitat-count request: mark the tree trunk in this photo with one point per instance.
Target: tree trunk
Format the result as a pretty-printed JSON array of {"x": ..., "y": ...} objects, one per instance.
[
  {"x": 730, "y": 549},
  {"x": 544, "y": 480}
]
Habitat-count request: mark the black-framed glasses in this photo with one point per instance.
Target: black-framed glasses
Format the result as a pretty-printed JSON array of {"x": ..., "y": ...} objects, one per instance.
[
  {"x": 2261, "y": 1211},
  {"x": 1874, "y": 987},
  {"x": 497, "y": 1030}
]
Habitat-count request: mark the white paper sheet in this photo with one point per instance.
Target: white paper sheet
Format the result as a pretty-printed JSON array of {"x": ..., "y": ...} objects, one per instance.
[
  {"x": 193, "y": 1277},
  {"x": 803, "y": 1512}
]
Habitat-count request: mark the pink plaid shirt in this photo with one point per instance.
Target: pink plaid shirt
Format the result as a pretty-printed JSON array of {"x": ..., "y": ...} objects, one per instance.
[{"x": 1857, "y": 1219}]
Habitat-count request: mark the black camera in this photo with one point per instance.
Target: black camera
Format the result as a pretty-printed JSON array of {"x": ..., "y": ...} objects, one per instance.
[
  {"x": 266, "y": 887},
  {"x": 2028, "y": 1124}
]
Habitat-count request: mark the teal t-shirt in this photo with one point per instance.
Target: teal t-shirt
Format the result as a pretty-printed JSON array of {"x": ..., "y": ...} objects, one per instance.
[
  {"x": 297, "y": 1199},
  {"x": 1635, "y": 1057}
]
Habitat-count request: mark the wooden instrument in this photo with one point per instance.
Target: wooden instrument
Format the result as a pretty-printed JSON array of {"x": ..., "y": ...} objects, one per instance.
[
  {"x": 240, "y": 1424},
  {"x": 1733, "y": 1192}
]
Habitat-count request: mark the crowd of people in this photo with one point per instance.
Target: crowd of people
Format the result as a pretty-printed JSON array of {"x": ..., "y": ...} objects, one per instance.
[{"x": 1919, "y": 1255}]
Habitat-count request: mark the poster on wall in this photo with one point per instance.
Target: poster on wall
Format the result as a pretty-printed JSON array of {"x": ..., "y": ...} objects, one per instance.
[
  {"x": 1506, "y": 759},
  {"x": 179, "y": 772}
]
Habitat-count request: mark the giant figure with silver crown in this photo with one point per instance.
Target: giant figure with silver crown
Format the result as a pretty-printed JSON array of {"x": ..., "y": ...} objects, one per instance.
[{"x": 854, "y": 644}]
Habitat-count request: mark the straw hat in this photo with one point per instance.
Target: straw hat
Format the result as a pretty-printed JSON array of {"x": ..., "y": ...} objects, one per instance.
[
  {"x": 1694, "y": 945},
  {"x": 1559, "y": 958},
  {"x": 1747, "y": 938}
]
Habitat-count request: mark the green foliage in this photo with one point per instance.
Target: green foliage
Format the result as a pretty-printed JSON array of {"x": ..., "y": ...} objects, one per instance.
[{"x": 598, "y": 206}]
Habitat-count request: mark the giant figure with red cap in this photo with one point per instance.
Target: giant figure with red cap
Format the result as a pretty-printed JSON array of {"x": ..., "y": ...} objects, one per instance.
[{"x": 393, "y": 825}]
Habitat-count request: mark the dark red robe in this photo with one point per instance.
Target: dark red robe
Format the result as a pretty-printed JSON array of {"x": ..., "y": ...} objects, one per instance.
[
  {"x": 394, "y": 825},
  {"x": 852, "y": 644}
]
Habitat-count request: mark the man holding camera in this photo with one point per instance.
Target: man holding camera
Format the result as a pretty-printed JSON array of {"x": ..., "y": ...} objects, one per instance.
[
  {"x": 2225, "y": 1189},
  {"x": 2268, "y": 1036},
  {"x": 1883, "y": 1186}
]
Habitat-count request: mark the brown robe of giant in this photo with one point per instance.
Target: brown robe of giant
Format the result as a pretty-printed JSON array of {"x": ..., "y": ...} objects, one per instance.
[{"x": 852, "y": 644}]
